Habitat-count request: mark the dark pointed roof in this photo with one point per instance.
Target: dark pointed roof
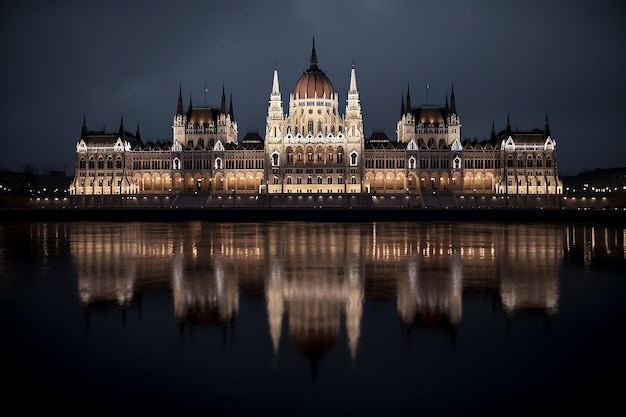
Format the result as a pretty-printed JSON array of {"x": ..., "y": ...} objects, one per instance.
[
  {"x": 179, "y": 107},
  {"x": 84, "y": 131},
  {"x": 313, "y": 61},
  {"x": 121, "y": 130},
  {"x": 408, "y": 99},
  {"x": 452, "y": 102},
  {"x": 223, "y": 104},
  {"x": 230, "y": 108},
  {"x": 313, "y": 82}
]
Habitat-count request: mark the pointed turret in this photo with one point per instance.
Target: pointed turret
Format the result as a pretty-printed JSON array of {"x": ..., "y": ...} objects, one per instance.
[
  {"x": 223, "y": 105},
  {"x": 275, "y": 87},
  {"x": 230, "y": 108},
  {"x": 84, "y": 131},
  {"x": 274, "y": 111},
  {"x": 353, "y": 80},
  {"x": 120, "y": 132},
  {"x": 179, "y": 108},
  {"x": 313, "y": 63},
  {"x": 189, "y": 109},
  {"x": 402, "y": 111},
  {"x": 546, "y": 129},
  {"x": 137, "y": 134},
  {"x": 493, "y": 130},
  {"x": 408, "y": 99},
  {"x": 447, "y": 108},
  {"x": 452, "y": 102}
]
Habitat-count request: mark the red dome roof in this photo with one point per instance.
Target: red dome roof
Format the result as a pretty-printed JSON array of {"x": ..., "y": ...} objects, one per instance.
[{"x": 313, "y": 82}]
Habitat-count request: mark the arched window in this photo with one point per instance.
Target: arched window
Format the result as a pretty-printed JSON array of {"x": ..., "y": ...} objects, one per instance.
[
  {"x": 110, "y": 162},
  {"x": 100, "y": 163},
  {"x": 309, "y": 180},
  {"x": 289, "y": 180},
  {"x": 332, "y": 130},
  {"x": 353, "y": 179},
  {"x": 548, "y": 162},
  {"x": 275, "y": 159},
  {"x": 82, "y": 163},
  {"x": 353, "y": 158},
  {"x": 520, "y": 162},
  {"x": 340, "y": 180},
  {"x": 330, "y": 180},
  {"x": 118, "y": 162},
  {"x": 218, "y": 163},
  {"x": 539, "y": 162},
  {"x": 457, "y": 163},
  {"x": 319, "y": 126},
  {"x": 310, "y": 126},
  {"x": 412, "y": 162},
  {"x": 509, "y": 161},
  {"x": 319, "y": 180},
  {"x": 276, "y": 180},
  {"x": 529, "y": 162}
]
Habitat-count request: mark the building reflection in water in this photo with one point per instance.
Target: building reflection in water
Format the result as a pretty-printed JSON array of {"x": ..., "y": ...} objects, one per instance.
[{"x": 315, "y": 276}]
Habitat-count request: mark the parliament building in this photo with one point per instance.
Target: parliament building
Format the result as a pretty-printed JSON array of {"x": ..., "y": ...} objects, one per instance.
[{"x": 316, "y": 150}]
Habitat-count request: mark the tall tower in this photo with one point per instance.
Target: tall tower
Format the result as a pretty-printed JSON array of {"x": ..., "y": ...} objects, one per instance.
[
  {"x": 275, "y": 115},
  {"x": 354, "y": 129},
  {"x": 180, "y": 120},
  {"x": 313, "y": 149}
]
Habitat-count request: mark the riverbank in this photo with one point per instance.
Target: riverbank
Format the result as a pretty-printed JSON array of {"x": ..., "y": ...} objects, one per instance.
[{"x": 313, "y": 214}]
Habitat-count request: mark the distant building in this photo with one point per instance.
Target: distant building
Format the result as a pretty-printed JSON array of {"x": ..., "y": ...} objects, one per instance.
[
  {"x": 314, "y": 149},
  {"x": 598, "y": 181}
]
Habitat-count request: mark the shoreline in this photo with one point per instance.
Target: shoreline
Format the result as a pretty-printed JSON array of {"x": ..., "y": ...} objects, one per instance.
[{"x": 347, "y": 215}]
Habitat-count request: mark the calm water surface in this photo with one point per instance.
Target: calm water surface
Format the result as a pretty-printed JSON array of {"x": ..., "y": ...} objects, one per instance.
[{"x": 297, "y": 318}]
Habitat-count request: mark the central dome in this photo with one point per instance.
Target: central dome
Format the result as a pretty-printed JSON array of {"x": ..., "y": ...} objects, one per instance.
[{"x": 313, "y": 82}]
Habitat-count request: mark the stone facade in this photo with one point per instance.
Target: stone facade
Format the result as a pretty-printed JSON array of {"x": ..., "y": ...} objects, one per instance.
[{"x": 314, "y": 149}]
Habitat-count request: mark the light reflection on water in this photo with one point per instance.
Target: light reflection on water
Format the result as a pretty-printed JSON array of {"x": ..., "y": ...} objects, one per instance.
[{"x": 355, "y": 316}]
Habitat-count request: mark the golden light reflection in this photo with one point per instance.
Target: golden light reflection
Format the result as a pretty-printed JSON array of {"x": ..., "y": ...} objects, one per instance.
[{"x": 315, "y": 277}]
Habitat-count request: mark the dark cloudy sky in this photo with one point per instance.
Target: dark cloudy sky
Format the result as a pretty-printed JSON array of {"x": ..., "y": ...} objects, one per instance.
[{"x": 62, "y": 60}]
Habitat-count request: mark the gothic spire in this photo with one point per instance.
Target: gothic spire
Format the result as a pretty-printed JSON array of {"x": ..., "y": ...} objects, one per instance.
[
  {"x": 408, "y": 99},
  {"x": 546, "y": 131},
  {"x": 223, "y": 106},
  {"x": 402, "y": 112},
  {"x": 452, "y": 101},
  {"x": 313, "y": 57},
  {"x": 353, "y": 88},
  {"x": 493, "y": 130},
  {"x": 120, "y": 133},
  {"x": 275, "y": 86},
  {"x": 137, "y": 134},
  {"x": 230, "y": 109},
  {"x": 190, "y": 108},
  {"x": 83, "y": 133},
  {"x": 179, "y": 108}
]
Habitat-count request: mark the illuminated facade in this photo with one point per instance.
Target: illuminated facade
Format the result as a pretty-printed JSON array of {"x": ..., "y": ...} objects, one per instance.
[{"x": 316, "y": 150}]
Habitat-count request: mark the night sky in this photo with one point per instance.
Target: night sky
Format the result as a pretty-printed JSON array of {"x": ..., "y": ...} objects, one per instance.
[{"x": 68, "y": 59}]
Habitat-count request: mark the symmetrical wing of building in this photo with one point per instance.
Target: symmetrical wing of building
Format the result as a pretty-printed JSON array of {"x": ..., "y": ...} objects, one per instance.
[{"x": 314, "y": 149}]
